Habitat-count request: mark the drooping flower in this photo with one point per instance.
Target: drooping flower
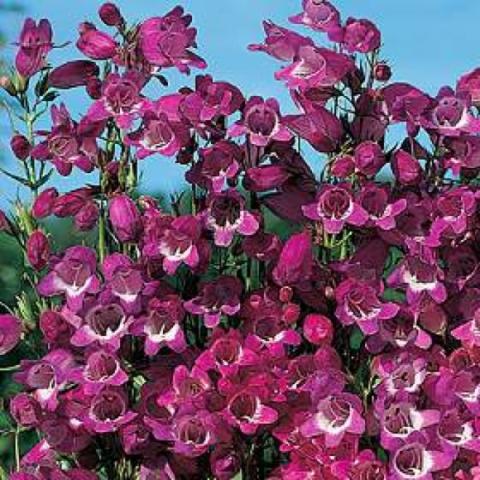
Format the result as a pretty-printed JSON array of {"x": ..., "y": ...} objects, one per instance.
[
  {"x": 10, "y": 332},
  {"x": 359, "y": 36},
  {"x": 73, "y": 74},
  {"x": 321, "y": 16},
  {"x": 95, "y": 44}
]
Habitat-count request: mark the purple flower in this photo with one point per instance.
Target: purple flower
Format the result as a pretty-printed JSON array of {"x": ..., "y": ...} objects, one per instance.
[
  {"x": 320, "y": 128},
  {"x": 469, "y": 83},
  {"x": 38, "y": 250},
  {"x": 26, "y": 410},
  {"x": 469, "y": 333},
  {"x": 359, "y": 303},
  {"x": 321, "y": 16},
  {"x": 105, "y": 324},
  {"x": 335, "y": 416},
  {"x": 67, "y": 144},
  {"x": 73, "y": 74},
  {"x": 166, "y": 41},
  {"x": 162, "y": 326},
  {"x": 10, "y": 332},
  {"x": 314, "y": 67},
  {"x": 406, "y": 168},
  {"x": 74, "y": 275},
  {"x": 34, "y": 45},
  {"x": 226, "y": 215},
  {"x": 336, "y": 207},
  {"x": 108, "y": 411},
  {"x": 96, "y": 44},
  {"x": 280, "y": 43},
  {"x": 225, "y": 462},
  {"x": 369, "y": 158},
  {"x": 55, "y": 328},
  {"x": 221, "y": 296},
  {"x": 125, "y": 218},
  {"x": 261, "y": 121},
  {"x": 359, "y": 36},
  {"x": 43, "y": 204},
  {"x": 110, "y": 15},
  {"x": 20, "y": 146},
  {"x": 86, "y": 218}
]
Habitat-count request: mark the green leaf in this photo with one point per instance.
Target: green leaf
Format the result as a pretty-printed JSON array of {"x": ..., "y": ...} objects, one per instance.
[{"x": 356, "y": 339}]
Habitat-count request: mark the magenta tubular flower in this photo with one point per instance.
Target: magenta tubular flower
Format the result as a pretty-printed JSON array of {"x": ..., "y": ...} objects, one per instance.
[
  {"x": 104, "y": 324},
  {"x": 120, "y": 99},
  {"x": 102, "y": 369},
  {"x": 20, "y": 146},
  {"x": 336, "y": 415},
  {"x": 314, "y": 67},
  {"x": 166, "y": 41},
  {"x": 108, "y": 411},
  {"x": 406, "y": 168},
  {"x": 247, "y": 411},
  {"x": 95, "y": 44},
  {"x": 360, "y": 36},
  {"x": 469, "y": 332},
  {"x": 162, "y": 325},
  {"x": 69, "y": 204},
  {"x": 67, "y": 144},
  {"x": 225, "y": 462},
  {"x": 38, "y": 250},
  {"x": 73, "y": 74},
  {"x": 55, "y": 328},
  {"x": 318, "y": 329},
  {"x": 458, "y": 429},
  {"x": 280, "y": 43},
  {"x": 135, "y": 438},
  {"x": 335, "y": 207},
  {"x": 320, "y": 128},
  {"x": 26, "y": 410},
  {"x": 45, "y": 378},
  {"x": 10, "y": 332},
  {"x": 374, "y": 200},
  {"x": 295, "y": 261},
  {"x": 261, "y": 121},
  {"x": 218, "y": 164},
  {"x": 86, "y": 218},
  {"x": 34, "y": 45},
  {"x": 125, "y": 218},
  {"x": 369, "y": 158},
  {"x": 364, "y": 466},
  {"x": 321, "y": 16},
  {"x": 359, "y": 303},
  {"x": 110, "y": 15},
  {"x": 161, "y": 132},
  {"x": 218, "y": 297},
  {"x": 73, "y": 275},
  {"x": 226, "y": 215},
  {"x": 177, "y": 241},
  {"x": 469, "y": 84}
]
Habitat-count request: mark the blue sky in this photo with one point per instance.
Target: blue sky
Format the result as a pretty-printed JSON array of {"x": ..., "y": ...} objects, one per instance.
[{"x": 427, "y": 42}]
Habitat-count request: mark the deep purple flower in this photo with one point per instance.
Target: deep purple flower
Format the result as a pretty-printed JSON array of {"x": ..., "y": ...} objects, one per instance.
[
  {"x": 225, "y": 462},
  {"x": 469, "y": 83},
  {"x": 43, "y": 204},
  {"x": 86, "y": 218},
  {"x": 369, "y": 158},
  {"x": 226, "y": 215},
  {"x": 166, "y": 41},
  {"x": 55, "y": 328},
  {"x": 20, "y": 146},
  {"x": 359, "y": 36},
  {"x": 261, "y": 121},
  {"x": 73, "y": 74},
  {"x": 96, "y": 44},
  {"x": 125, "y": 218},
  {"x": 221, "y": 296},
  {"x": 26, "y": 410},
  {"x": 321, "y": 16},
  {"x": 38, "y": 249},
  {"x": 336, "y": 207},
  {"x": 74, "y": 275},
  {"x": 406, "y": 168},
  {"x": 110, "y": 15},
  {"x": 10, "y": 332},
  {"x": 34, "y": 45},
  {"x": 280, "y": 43}
]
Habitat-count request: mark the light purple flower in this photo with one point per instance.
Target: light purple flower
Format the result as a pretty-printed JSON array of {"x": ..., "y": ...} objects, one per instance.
[{"x": 321, "y": 16}]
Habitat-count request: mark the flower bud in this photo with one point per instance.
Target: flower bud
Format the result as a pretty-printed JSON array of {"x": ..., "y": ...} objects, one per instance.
[
  {"x": 95, "y": 44},
  {"x": 318, "y": 329},
  {"x": 124, "y": 217},
  {"x": 382, "y": 72},
  {"x": 87, "y": 217},
  {"x": 10, "y": 331},
  {"x": 71, "y": 203},
  {"x": 38, "y": 250},
  {"x": 54, "y": 327},
  {"x": 20, "y": 146},
  {"x": 73, "y": 74},
  {"x": 44, "y": 203},
  {"x": 25, "y": 410},
  {"x": 406, "y": 168},
  {"x": 7, "y": 85},
  {"x": 94, "y": 88},
  {"x": 110, "y": 15}
]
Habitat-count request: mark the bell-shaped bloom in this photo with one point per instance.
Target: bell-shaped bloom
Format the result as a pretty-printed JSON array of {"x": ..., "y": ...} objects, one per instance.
[
  {"x": 369, "y": 158},
  {"x": 124, "y": 217},
  {"x": 314, "y": 67},
  {"x": 34, "y": 44},
  {"x": 105, "y": 325},
  {"x": 336, "y": 207},
  {"x": 162, "y": 326},
  {"x": 335, "y": 416},
  {"x": 73, "y": 275},
  {"x": 217, "y": 164},
  {"x": 469, "y": 332},
  {"x": 38, "y": 250},
  {"x": 26, "y": 410},
  {"x": 73, "y": 74},
  {"x": 322, "y": 129},
  {"x": 95, "y": 44},
  {"x": 469, "y": 84},
  {"x": 359, "y": 35},
  {"x": 382, "y": 213},
  {"x": 55, "y": 328},
  {"x": 318, "y": 329},
  {"x": 167, "y": 41},
  {"x": 225, "y": 462},
  {"x": 320, "y": 16},
  {"x": 120, "y": 99},
  {"x": 280, "y": 43},
  {"x": 295, "y": 261},
  {"x": 365, "y": 465},
  {"x": 68, "y": 144},
  {"x": 406, "y": 168},
  {"x": 261, "y": 121},
  {"x": 218, "y": 297},
  {"x": 226, "y": 215},
  {"x": 86, "y": 218},
  {"x": 358, "y": 303},
  {"x": 43, "y": 205},
  {"x": 10, "y": 332},
  {"x": 108, "y": 411}
]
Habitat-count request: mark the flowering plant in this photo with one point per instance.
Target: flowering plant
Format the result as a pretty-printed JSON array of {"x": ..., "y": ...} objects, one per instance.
[{"x": 201, "y": 340}]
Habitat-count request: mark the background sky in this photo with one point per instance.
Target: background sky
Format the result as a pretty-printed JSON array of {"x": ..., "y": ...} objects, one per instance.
[{"x": 427, "y": 42}]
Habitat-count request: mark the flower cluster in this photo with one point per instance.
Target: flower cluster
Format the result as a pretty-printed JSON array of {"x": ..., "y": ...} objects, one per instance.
[{"x": 267, "y": 323}]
